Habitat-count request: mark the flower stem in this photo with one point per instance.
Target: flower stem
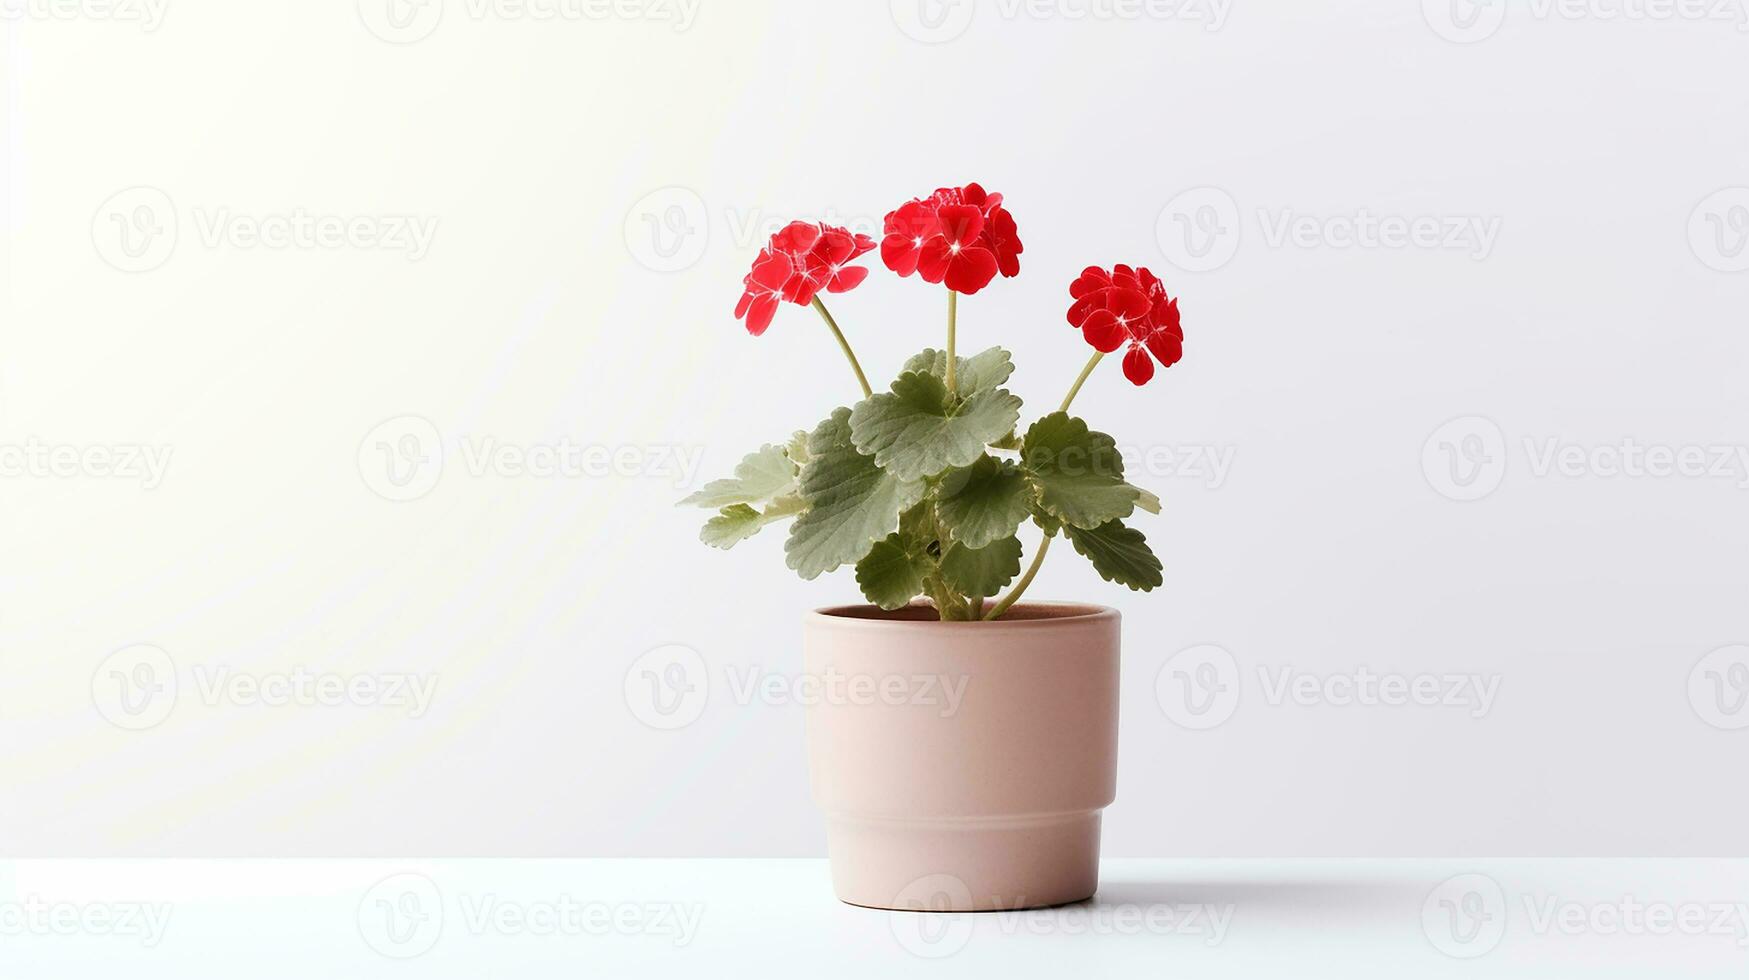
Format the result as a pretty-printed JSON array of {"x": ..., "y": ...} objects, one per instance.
[
  {"x": 1092, "y": 363},
  {"x": 1014, "y": 594},
  {"x": 849, "y": 355},
  {"x": 953, "y": 306},
  {"x": 1044, "y": 543}
]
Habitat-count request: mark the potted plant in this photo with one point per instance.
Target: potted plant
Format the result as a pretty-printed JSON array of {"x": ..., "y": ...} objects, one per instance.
[{"x": 992, "y": 799}]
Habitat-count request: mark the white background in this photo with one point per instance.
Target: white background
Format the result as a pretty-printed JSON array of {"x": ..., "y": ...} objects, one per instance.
[{"x": 544, "y": 153}]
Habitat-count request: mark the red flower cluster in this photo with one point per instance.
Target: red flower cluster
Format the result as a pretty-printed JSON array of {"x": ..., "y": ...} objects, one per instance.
[
  {"x": 801, "y": 259},
  {"x": 960, "y": 236},
  {"x": 1128, "y": 304}
]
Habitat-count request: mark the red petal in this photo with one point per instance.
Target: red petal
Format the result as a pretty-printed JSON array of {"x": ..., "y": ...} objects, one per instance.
[
  {"x": 1082, "y": 307},
  {"x": 1137, "y": 365},
  {"x": 1091, "y": 278},
  {"x": 932, "y": 259},
  {"x": 796, "y": 238},
  {"x": 847, "y": 279},
  {"x": 1102, "y": 331},
  {"x": 960, "y": 223},
  {"x": 900, "y": 253},
  {"x": 771, "y": 270},
  {"x": 745, "y": 302},
  {"x": 971, "y": 270},
  {"x": 1130, "y": 304},
  {"x": 1167, "y": 345},
  {"x": 759, "y": 315}
]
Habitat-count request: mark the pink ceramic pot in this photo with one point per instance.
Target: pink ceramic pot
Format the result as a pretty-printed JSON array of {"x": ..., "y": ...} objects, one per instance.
[{"x": 963, "y": 766}]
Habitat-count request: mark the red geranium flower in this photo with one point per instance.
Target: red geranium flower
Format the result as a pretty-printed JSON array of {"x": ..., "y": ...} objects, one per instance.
[
  {"x": 956, "y": 255},
  {"x": 962, "y": 236},
  {"x": 801, "y": 259},
  {"x": 1130, "y": 305}
]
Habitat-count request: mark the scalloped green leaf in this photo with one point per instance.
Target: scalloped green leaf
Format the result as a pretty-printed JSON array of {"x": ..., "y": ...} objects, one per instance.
[
  {"x": 738, "y": 522},
  {"x": 981, "y": 571},
  {"x": 763, "y": 475},
  {"x": 891, "y": 574},
  {"x": 1119, "y": 554},
  {"x": 1075, "y": 473},
  {"x": 984, "y": 371},
  {"x": 851, "y": 502},
  {"x": 917, "y": 430},
  {"x": 983, "y": 502}
]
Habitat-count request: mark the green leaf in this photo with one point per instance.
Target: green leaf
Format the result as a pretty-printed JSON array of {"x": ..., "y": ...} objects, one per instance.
[
  {"x": 1076, "y": 474},
  {"x": 738, "y": 522},
  {"x": 1146, "y": 500},
  {"x": 761, "y": 476},
  {"x": 981, "y": 571},
  {"x": 797, "y": 448},
  {"x": 917, "y": 430},
  {"x": 891, "y": 575},
  {"x": 983, "y": 502},
  {"x": 985, "y": 371},
  {"x": 852, "y": 503},
  {"x": 1119, "y": 554}
]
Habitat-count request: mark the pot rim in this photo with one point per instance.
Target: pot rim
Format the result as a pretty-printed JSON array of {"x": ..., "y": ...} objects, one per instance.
[{"x": 1054, "y": 615}]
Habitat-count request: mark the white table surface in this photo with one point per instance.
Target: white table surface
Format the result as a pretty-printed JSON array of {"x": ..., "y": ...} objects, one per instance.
[{"x": 777, "y": 918}]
